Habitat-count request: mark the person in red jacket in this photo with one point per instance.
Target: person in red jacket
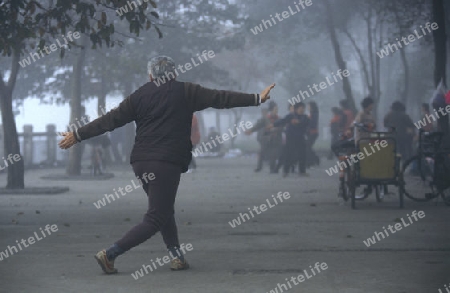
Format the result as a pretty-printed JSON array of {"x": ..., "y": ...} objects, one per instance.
[
  {"x": 349, "y": 115},
  {"x": 195, "y": 139}
]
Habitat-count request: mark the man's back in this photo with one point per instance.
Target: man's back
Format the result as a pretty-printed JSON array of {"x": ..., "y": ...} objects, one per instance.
[
  {"x": 163, "y": 119},
  {"x": 163, "y": 116}
]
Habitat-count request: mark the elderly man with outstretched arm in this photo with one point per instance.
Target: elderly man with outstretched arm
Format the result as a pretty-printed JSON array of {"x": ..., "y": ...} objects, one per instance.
[{"x": 163, "y": 117}]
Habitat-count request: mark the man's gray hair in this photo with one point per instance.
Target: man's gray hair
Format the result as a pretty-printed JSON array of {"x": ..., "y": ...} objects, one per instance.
[{"x": 161, "y": 66}]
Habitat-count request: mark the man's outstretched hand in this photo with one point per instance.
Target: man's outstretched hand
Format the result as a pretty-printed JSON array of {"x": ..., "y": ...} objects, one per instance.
[
  {"x": 68, "y": 141},
  {"x": 265, "y": 94}
]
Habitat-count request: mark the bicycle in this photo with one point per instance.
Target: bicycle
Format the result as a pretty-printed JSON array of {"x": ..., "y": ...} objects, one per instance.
[
  {"x": 355, "y": 174},
  {"x": 343, "y": 150},
  {"x": 429, "y": 170}
]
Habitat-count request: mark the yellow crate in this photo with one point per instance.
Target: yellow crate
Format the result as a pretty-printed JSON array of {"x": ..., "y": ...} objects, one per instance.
[{"x": 377, "y": 164}]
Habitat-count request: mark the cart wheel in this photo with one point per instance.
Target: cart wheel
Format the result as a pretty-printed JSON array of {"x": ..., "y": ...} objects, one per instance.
[
  {"x": 401, "y": 189},
  {"x": 378, "y": 193},
  {"x": 346, "y": 194},
  {"x": 352, "y": 187},
  {"x": 353, "y": 196},
  {"x": 445, "y": 194}
]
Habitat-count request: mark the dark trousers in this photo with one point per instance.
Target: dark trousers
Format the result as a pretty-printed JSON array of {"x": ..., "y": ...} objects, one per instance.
[
  {"x": 161, "y": 194},
  {"x": 261, "y": 156},
  {"x": 273, "y": 152},
  {"x": 282, "y": 157},
  {"x": 312, "y": 157},
  {"x": 295, "y": 152},
  {"x": 270, "y": 153}
]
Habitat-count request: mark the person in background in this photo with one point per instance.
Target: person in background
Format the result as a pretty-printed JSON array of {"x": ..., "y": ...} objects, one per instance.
[
  {"x": 99, "y": 146},
  {"x": 429, "y": 125},
  {"x": 97, "y": 159},
  {"x": 271, "y": 136},
  {"x": 211, "y": 135},
  {"x": 283, "y": 154},
  {"x": 117, "y": 139},
  {"x": 365, "y": 117},
  {"x": 296, "y": 128},
  {"x": 312, "y": 134},
  {"x": 404, "y": 129},
  {"x": 439, "y": 102},
  {"x": 349, "y": 115},
  {"x": 195, "y": 139},
  {"x": 335, "y": 129}
]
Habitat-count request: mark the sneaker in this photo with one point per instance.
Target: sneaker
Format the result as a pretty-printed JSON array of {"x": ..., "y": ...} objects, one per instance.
[
  {"x": 303, "y": 174},
  {"x": 106, "y": 265},
  {"x": 177, "y": 265}
]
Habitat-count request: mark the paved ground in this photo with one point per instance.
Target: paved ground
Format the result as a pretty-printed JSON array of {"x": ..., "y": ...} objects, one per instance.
[{"x": 311, "y": 226}]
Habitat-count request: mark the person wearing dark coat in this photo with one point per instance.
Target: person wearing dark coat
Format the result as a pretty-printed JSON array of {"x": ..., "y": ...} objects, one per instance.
[
  {"x": 404, "y": 129},
  {"x": 163, "y": 116},
  {"x": 296, "y": 128},
  {"x": 313, "y": 133},
  {"x": 270, "y": 136}
]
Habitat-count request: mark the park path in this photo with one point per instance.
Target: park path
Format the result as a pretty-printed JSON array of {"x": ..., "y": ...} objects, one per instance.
[{"x": 311, "y": 226}]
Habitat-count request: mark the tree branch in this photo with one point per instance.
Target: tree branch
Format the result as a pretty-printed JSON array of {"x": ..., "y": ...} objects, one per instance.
[{"x": 361, "y": 57}]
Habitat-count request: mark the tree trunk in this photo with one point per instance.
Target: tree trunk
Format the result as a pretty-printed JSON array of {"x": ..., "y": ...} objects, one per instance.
[
  {"x": 238, "y": 113},
  {"x": 365, "y": 71},
  {"x": 338, "y": 55},
  {"x": 101, "y": 102},
  {"x": 15, "y": 179},
  {"x": 440, "y": 41},
  {"x": 74, "y": 164},
  {"x": 405, "y": 92}
]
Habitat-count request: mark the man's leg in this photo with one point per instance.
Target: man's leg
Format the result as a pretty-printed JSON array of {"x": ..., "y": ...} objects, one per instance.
[
  {"x": 169, "y": 233},
  {"x": 273, "y": 156},
  {"x": 161, "y": 194},
  {"x": 281, "y": 158},
  {"x": 302, "y": 148},
  {"x": 261, "y": 158},
  {"x": 288, "y": 158}
]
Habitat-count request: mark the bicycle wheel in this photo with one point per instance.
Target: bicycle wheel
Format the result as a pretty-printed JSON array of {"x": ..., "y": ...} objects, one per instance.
[
  {"x": 342, "y": 189},
  {"x": 445, "y": 194},
  {"x": 401, "y": 189},
  {"x": 351, "y": 185},
  {"x": 442, "y": 182},
  {"x": 417, "y": 177},
  {"x": 379, "y": 192},
  {"x": 346, "y": 193}
]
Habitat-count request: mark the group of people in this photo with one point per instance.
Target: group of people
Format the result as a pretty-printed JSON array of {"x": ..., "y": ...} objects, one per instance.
[
  {"x": 344, "y": 133},
  {"x": 286, "y": 142}
]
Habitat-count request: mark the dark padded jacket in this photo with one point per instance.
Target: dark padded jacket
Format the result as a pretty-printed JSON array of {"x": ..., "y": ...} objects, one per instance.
[{"x": 163, "y": 117}]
